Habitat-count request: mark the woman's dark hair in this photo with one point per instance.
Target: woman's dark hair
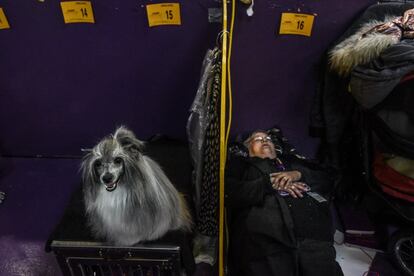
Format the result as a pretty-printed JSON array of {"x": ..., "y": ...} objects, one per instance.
[{"x": 282, "y": 146}]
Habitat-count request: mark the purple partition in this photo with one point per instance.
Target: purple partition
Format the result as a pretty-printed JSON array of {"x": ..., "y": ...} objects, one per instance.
[
  {"x": 63, "y": 87},
  {"x": 275, "y": 76}
]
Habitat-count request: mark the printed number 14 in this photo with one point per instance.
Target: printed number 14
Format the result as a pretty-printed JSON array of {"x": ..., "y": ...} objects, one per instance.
[{"x": 84, "y": 12}]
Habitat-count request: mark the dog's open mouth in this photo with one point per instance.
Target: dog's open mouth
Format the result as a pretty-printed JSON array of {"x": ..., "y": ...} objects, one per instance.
[{"x": 111, "y": 186}]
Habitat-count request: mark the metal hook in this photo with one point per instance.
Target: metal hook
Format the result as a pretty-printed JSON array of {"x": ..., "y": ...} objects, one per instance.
[
  {"x": 249, "y": 10},
  {"x": 219, "y": 37}
]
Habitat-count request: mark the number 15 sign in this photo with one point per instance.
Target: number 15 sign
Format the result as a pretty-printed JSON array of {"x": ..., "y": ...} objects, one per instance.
[
  {"x": 163, "y": 14},
  {"x": 296, "y": 24}
]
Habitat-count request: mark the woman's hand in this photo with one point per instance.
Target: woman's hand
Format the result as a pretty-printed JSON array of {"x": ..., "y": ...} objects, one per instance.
[
  {"x": 280, "y": 180},
  {"x": 286, "y": 181}
]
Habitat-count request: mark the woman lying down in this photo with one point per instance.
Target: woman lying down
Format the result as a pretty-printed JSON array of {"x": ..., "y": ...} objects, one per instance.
[{"x": 279, "y": 221}]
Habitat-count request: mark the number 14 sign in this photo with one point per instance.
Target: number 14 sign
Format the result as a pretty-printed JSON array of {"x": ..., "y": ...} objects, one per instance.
[
  {"x": 77, "y": 12},
  {"x": 296, "y": 24},
  {"x": 4, "y": 24}
]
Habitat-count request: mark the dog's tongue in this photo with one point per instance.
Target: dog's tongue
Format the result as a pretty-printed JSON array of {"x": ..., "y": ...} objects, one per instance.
[{"x": 110, "y": 186}]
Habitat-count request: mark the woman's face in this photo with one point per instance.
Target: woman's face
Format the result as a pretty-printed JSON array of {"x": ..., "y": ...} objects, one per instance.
[{"x": 260, "y": 145}]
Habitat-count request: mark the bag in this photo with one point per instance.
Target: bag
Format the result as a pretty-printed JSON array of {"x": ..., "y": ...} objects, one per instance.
[{"x": 391, "y": 181}]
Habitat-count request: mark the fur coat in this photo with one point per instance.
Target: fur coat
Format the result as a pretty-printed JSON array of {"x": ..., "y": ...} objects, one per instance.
[{"x": 370, "y": 41}]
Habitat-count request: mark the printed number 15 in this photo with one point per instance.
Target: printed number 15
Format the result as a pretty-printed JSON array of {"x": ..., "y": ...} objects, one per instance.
[{"x": 169, "y": 14}]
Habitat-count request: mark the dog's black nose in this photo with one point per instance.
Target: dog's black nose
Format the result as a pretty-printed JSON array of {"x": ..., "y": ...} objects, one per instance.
[{"x": 107, "y": 178}]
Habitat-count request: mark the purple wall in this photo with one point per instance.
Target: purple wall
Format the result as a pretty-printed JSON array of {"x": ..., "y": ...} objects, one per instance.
[
  {"x": 63, "y": 87},
  {"x": 275, "y": 76}
]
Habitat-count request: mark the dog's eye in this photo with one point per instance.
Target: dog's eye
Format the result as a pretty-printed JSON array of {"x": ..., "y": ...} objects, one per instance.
[
  {"x": 118, "y": 160},
  {"x": 97, "y": 163}
]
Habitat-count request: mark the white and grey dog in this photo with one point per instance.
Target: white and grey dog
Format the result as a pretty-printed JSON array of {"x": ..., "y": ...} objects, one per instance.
[{"x": 128, "y": 197}]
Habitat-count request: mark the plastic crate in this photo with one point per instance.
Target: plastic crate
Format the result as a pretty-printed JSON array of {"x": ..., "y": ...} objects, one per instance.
[{"x": 93, "y": 258}]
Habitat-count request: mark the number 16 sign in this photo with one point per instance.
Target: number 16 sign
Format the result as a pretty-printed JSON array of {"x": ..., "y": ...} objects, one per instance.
[{"x": 296, "y": 24}]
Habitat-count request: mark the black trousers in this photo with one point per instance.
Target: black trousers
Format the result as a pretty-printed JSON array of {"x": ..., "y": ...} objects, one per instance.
[{"x": 311, "y": 258}]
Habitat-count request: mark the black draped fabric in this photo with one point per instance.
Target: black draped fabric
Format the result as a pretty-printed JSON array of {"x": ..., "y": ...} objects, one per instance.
[
  {"x": 199, "y": 119},
  {"x": 207, "y": 223},
  {"x": 274, "y": 235}
]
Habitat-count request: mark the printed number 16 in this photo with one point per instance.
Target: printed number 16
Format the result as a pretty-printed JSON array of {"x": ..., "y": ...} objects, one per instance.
[{"x": 301, "y": 24}]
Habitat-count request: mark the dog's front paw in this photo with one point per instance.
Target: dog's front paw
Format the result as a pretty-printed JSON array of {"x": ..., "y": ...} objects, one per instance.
[{"x": 2, "y": 196}]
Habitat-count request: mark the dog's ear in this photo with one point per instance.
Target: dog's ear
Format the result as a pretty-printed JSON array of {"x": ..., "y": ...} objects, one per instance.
[
  {"x": 89, "y": 174},
  {"x": 127, "y": 140}
]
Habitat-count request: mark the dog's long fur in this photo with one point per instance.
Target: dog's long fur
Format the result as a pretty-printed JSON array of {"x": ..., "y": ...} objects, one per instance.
[{"x": 128, "y": 197}]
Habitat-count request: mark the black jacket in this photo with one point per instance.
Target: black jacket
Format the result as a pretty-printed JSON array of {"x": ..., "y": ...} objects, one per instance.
[{"x": 274, "y": 235}]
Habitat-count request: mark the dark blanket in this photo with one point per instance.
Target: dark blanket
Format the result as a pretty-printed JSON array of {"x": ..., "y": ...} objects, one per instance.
[{"x": 174, "y": 159}]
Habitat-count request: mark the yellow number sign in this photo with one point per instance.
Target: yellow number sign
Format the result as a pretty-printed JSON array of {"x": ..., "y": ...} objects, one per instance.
[
  {"x": 296, "y": 24},
  {"x": 77, "y": 12},
  {"x": 164, "y": 14},
  {"x": 4, "y": 24}
]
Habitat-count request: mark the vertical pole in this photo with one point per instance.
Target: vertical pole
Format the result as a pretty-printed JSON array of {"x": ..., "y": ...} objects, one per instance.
[{"x": 222, "y": 137}]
